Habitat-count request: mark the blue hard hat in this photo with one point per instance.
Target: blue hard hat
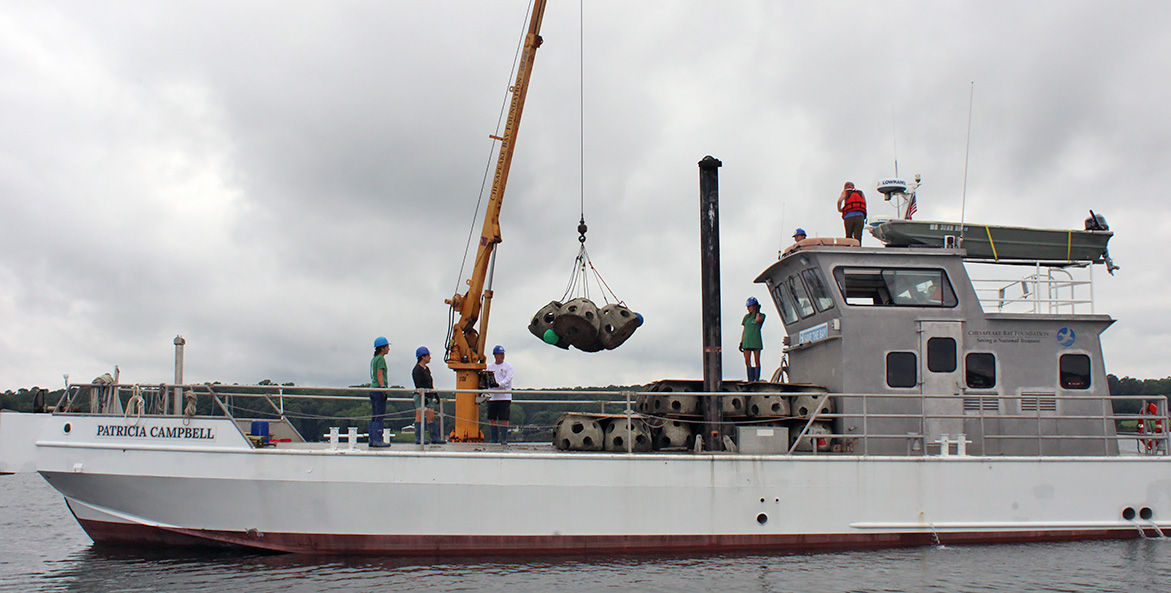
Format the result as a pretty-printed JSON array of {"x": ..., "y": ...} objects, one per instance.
[
  {"x": 751, "y": 301},
  {"x": 421, "y": 351},
  {"x": 380, "y": 342},
  {"x": 799, "y": 231},
  {"x": 498, "y": 349}
]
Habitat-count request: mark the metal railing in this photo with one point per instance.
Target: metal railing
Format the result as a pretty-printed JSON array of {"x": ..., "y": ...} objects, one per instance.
[
  {"x": 860, "y": 408},
  {"x": 1153, "y": 440},
  {"x": 1047, "y": 289},
  {"x": 157, "y": 400}
]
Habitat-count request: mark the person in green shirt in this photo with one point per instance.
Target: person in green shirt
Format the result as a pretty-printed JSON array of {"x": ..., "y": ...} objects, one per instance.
[
  {"x": 750, "y": 341},
  {"x": 378, "y": 398}
]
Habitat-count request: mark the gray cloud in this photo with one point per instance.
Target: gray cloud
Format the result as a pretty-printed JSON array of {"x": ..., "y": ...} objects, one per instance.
[{"x": 283, "y": 183}]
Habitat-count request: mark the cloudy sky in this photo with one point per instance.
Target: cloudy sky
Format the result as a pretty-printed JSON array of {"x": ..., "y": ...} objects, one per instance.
[{"x": 281, "y": 182}]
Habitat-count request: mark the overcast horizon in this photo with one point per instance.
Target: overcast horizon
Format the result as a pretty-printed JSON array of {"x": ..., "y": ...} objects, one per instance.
[{"x": 280, "y": 183}]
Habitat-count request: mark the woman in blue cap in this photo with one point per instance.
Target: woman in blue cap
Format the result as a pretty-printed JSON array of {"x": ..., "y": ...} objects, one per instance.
[
  {"x": 421, "y": 375},
  {"x": 378, "y": 398},
  {"x": 750, "y": 341}
]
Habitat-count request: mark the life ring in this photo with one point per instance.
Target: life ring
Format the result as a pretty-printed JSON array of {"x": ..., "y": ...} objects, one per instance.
[
  {"x": 1155, "y": 426},
  {"x": 821, "y": 241}
]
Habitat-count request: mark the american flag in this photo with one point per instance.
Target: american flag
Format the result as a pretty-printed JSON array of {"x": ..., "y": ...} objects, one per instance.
[{"x": 911, "y": 208}]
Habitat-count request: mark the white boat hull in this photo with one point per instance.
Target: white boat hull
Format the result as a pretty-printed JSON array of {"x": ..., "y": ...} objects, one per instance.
[{"x": 137, "y": 490}]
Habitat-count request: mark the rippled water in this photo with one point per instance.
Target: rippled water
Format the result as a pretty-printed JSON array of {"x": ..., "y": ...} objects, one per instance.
[{"x": 43, "y": 549}]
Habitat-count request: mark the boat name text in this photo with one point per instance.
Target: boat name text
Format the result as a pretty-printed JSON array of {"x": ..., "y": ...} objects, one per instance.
[
  {"x": 813, "y": 334},
  {"x": 157, "y": 432}
]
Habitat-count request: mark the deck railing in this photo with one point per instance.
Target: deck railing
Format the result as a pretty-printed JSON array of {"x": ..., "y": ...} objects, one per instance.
[
  {"x": 1047, "y": 289},
  {"x": 139, "y": 400}
]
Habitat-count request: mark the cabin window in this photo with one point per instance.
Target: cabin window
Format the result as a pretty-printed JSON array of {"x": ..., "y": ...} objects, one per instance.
[
  {"x": 902, "y": 369},
  {"x": 817, "y": 289},
  {"x": 1075, "y": 371},
  {"x": 941, "y": 355},
  {"x": 800, "y": 295},
  {"x": 887, "y": 287},
  {"x": 980, "y": 370},
  {"x": 785, "y": 304}
]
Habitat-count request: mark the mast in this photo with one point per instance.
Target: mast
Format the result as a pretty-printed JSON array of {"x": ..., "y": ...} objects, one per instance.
[{"x": 465, "y": 353}]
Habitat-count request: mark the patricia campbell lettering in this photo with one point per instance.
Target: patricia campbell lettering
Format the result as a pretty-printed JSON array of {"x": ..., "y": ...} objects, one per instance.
[{"x": 156, "y": 432}]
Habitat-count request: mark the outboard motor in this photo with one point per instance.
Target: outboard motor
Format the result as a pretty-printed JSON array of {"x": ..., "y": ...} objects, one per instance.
[{"x": 1096, "y": 222}]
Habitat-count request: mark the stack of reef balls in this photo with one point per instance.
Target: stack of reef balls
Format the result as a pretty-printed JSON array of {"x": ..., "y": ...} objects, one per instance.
[{"x": 582, "y": 324}]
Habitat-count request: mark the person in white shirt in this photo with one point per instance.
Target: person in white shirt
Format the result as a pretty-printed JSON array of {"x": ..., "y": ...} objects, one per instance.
[{"x": 500, "y": 402}]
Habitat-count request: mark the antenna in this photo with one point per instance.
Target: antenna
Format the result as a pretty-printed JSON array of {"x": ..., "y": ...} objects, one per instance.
[
  {"x": 894, "y": 187},
  {"x": 894, "y": 140},
  {"x": 781, "y": 249},
  {"x": 967, "y": 150}
]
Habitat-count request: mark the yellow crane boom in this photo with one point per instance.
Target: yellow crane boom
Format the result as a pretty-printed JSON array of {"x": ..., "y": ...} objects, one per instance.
[{"x": 465, "y": 352}]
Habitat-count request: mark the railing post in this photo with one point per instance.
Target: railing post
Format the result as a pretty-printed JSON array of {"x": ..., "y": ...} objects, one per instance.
[
  {"x": 629, "y": 427},
  {"x": 439, "y": 409},
  {"x": 179, "y": 343},
  {"x": 865, "y": 424}
]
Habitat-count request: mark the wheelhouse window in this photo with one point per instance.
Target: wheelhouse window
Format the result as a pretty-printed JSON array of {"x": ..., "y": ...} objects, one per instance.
[
  {"x": 980, "y": 370},
  {"x": 895, "y": 287},
  {"x": 1075, "y": 371},
  {"x": 902, "y": 369},
  {"x": 800, "y": 295},
  {"x": 941, "y": 355},
  {"x": 817, "y": 289},
  {"x": 785, "y": 304}
]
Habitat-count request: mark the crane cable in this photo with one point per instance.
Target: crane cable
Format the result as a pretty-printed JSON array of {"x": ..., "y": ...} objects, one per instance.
[{"x": 579, "y": 278}]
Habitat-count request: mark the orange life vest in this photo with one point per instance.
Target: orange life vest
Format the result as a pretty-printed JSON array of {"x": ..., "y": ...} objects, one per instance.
[{"x": 855, "y": 202}]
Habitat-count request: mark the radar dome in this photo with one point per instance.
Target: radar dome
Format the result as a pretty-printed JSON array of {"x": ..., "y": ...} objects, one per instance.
[{"x": 892, "y": 186}]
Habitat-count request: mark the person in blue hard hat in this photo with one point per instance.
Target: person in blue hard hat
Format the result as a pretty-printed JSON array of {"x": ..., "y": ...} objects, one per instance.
[
  {"x": 421, "y": 374},
  {"x": 500, "y": 402},
  {"x": 751, "y": 342},
  {"x": 378, "y": 380},
  {"x": 799, "y": 235}
]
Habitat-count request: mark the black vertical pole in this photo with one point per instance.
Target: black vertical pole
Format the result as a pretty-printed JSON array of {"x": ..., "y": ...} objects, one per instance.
[{"x": 709, "y": 245}]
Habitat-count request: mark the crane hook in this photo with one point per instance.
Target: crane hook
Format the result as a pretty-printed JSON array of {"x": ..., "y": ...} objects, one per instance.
[{"x": 582, "y": 228}]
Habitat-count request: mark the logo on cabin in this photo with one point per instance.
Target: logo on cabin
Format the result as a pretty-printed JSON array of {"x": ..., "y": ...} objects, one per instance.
[{"x": 1066, "y": 337}]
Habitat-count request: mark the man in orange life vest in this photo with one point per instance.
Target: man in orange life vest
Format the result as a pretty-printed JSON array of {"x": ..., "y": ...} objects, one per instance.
[{"x": 852, "y": 205}]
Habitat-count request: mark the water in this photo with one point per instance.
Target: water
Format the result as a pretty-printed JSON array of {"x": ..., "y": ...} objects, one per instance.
[{"x": 43, "y": 549}]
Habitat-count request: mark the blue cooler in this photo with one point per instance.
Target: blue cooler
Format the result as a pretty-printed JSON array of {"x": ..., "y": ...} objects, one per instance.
[{"x": 260, "y": 429}]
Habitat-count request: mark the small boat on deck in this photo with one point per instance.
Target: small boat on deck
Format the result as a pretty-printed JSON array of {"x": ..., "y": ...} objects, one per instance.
[{"x": 982, "y": 241}]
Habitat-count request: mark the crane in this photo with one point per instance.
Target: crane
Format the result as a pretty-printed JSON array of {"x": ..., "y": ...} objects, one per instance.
[{"x": 465, "y": 349}]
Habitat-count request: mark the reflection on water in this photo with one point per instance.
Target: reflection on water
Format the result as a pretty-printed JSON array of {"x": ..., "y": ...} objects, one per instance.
[{"x": 43, "y": 549}]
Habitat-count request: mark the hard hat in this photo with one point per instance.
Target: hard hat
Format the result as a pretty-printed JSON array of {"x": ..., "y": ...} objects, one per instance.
[
  {"x": 380, "y": 342},
  {"x": 799, "y": 231},
  {"x": 751, "y": 301},
  {"x": 498, "y": 349},
  {"x": 421, "y": 351}
]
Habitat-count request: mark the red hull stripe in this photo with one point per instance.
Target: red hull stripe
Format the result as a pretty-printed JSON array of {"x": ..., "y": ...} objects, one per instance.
[{"x": 125, "y": 534}]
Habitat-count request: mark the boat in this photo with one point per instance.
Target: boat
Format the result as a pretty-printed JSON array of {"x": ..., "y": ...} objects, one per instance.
[
  {"x": 994, "y": 242},
  {"x": 925, "y": 420},
  {"x": 913, "y": 408}
]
